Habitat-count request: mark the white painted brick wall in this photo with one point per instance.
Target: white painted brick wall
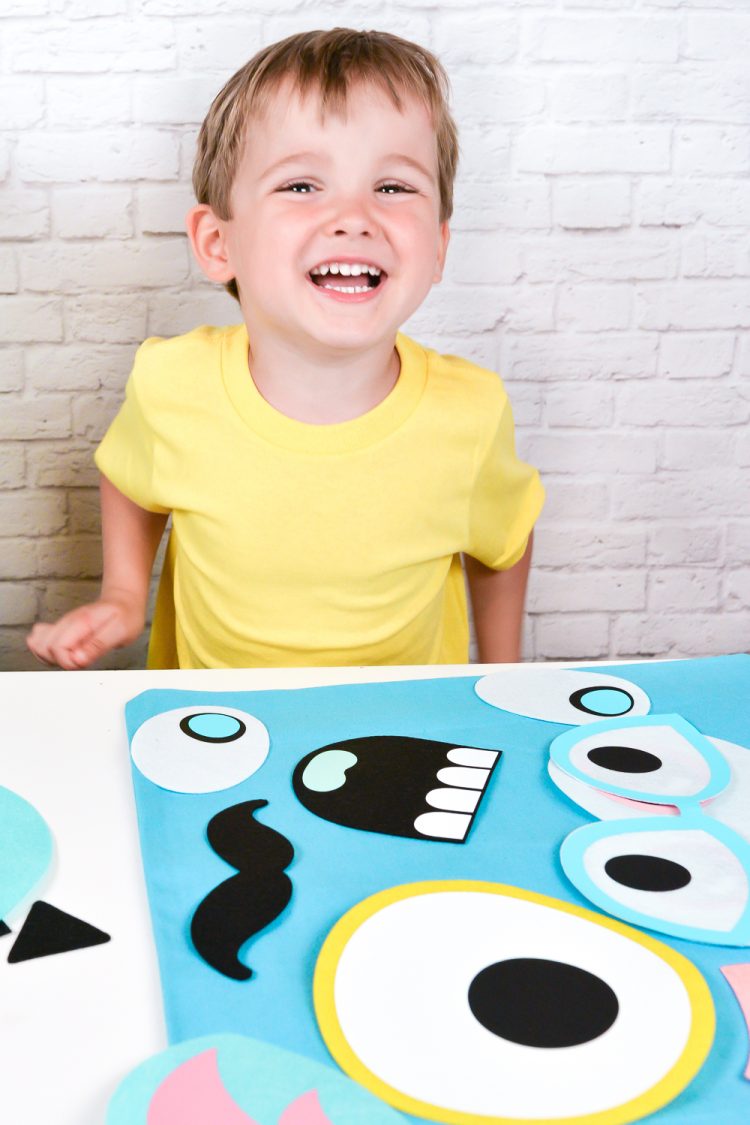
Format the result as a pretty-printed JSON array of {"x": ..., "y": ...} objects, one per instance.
[{"x": 600, "y": 261}]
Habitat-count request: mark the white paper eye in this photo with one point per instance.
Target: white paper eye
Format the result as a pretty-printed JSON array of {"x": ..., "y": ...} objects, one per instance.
[
  {"x": 200, "y": 749},
  {"x": 562, "y": 695},
  {"x": 472, "y": 1002},
  {"x": 683, "y": 881}
]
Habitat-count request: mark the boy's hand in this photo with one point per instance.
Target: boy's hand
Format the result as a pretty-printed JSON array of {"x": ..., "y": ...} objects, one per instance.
[{"x": 86, "y": 633}]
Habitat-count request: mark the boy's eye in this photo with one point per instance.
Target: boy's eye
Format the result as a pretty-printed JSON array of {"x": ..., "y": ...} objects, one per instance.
[
  {"x": 392, "y": 188},
  {"x": 301, "y": 187},
  {"x": 304, "y": 187}
]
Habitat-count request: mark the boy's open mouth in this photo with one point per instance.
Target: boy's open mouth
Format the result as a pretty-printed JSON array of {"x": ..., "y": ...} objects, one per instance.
[{"x": 347, "y": 277}]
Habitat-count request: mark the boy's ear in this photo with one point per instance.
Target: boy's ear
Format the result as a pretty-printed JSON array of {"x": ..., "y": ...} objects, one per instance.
[
  {"x": 206, "y": 233},
  {"x": 445, "y": 236}
]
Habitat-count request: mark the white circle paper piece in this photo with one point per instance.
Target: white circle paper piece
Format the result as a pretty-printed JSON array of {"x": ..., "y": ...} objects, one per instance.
[
  {"x": 562, "y": 695},
  {"x": 200, "y": 749},
  {"x": 425, "y": 994}
]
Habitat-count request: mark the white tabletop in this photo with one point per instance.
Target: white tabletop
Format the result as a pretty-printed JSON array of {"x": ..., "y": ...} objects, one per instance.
[{"x": 72, "y": 1026}]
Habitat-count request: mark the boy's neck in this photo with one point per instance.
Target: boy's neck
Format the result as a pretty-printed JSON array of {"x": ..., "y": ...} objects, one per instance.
[{"x": 324, "y": 387}]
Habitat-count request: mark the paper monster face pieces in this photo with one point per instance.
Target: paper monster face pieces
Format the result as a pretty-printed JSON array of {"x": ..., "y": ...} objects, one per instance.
[
  {"x": 561, "y": 695},
  {"x": 471, "y": 1002},
  {"x": 250, "y": 900},
  {"x": 48, "y": 930},
  {"x": 686, "y": 875},
  {"x": 234, "y": 1080},
  {"x": 412, "y": 787}
]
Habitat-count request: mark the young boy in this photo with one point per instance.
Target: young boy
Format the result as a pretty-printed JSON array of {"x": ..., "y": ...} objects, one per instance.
[{"x": 324, "y": 472}]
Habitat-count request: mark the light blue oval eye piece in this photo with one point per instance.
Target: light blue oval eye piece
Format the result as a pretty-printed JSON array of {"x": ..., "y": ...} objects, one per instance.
[
  {"x": 212, "y": 727},
  {"x": 603, "y": 701},
  {"x": 327, "y": 771}
]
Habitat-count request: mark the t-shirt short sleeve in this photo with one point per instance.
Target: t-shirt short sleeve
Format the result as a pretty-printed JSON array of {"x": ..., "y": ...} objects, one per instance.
[
  {"x": 127, "y": 453},
  {"x": 506, "y": 501}
]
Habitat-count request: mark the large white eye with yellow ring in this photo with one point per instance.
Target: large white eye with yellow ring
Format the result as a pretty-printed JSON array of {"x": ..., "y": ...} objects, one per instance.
[
  {"x": 200, "y": 749},
  {"x": 473, "y": 1003},
  {"x": 562, "y": 695}
]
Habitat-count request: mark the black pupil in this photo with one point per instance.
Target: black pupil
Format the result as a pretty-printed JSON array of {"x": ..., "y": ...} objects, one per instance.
[
  {"x": 624, "y": 759},
  {"x": 540, "y": 1003},
  {"x": 647, "y": 872}
]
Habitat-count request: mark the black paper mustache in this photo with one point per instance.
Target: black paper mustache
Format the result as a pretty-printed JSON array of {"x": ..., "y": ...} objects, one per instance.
[{"x": 246, "y": 903}]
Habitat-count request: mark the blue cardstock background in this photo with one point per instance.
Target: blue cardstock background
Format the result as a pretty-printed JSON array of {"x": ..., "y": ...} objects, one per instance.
[{"x": 516, "y": 837}]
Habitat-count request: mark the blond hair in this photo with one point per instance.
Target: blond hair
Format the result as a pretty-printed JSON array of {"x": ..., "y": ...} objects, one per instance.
[{"x": 330, "y": 62}]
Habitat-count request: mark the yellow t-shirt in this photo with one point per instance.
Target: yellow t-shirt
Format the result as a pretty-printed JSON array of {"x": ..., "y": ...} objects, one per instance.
[{"x": 299, "y": 544}]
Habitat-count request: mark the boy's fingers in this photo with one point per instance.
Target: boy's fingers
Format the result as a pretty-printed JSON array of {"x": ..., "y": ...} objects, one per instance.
[{"x": 78, "y": 637}]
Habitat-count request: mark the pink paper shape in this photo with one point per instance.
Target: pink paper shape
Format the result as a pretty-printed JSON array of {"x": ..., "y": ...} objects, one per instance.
[
  {"x": 305, "y": 1110},
  {"x": 194, "y": 1094},
  {"x": 739, "y": 978}
]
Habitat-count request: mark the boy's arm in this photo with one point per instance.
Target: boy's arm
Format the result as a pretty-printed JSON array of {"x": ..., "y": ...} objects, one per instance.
[
  {"x": 130, "y": 538},
  {"x": 497, "y": 600}
]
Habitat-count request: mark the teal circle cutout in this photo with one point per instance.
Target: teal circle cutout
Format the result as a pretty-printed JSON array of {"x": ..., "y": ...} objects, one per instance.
[
  {"x": 606, "y": 701},
  {"x": 212, "y": 727}
]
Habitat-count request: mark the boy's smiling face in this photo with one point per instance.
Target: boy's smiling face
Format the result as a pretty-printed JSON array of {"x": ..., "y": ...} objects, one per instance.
[{"x": 310, "y": 194}]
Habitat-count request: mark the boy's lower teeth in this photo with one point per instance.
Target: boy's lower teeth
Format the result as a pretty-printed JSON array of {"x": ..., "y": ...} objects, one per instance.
[{"x": 348, "y": 288}]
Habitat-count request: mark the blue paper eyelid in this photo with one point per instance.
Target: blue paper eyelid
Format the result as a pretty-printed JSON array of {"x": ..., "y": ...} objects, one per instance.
[
  {"x": 563, "y": 746},
  {"x": 576, "y": 845}
]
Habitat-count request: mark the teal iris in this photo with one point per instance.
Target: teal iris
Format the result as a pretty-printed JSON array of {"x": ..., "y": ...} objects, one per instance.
[
  {"x": 214, "y": 727},
  {"x": 607, "y": 701}
]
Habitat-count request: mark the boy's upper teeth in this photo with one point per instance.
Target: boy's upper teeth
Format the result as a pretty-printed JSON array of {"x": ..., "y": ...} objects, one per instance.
[{"x": 348, "y": 269}]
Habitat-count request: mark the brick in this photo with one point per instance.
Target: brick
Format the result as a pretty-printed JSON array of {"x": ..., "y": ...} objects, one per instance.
[
  {"x": 43, "y": 416},
  {"x": 717, "y": 36},
  {"x": 591, "y": 453},
  {"x": 481, "y": 349},
  {"x": 737, "y": 584},
  {"x": 680, "y": 635},
  {"x": 613, "y": 257},
  {"x": 17, "y": 604},
  {"x": 26, "y": 319},
  {"x": 560, "y": 357},
  {"x": 220, "y": 45},
  {"x": 73, "y": 103},
  {"x": 483, "y": 259},
  {"x": 710, "y": 495},
  {"x": 73, "y": 367},
  {"x": 743, "y": 449},
  {"x": 487, "y": 96},
  {"x": 611, "y": 590},
  {"x": 602, "y": 39},
  {"x": 162, "y": 209},
  {"x": 60, "y": 596},
  {"x": 581, "y": 204},
  {"x": 8, "y": 270},
  {"x": 671, "y": 544},
  {"x": 711, "y": 150},
  {"x": 571, "y": 149},
  {"x": 482, "y": 149},
  {"x": 61, "y": 465},
  {"x": 698, "y": 93},
  {"x": 32, "y": 514},
  {"x": 527, "y": 403},
  {"x": 678, "y": 203},
  {"x": 22, "y": 100},
  {"x": 572, "y": 545},
  {"x": 738, "y": 541},
  {"x": 566, "y": 500},
  {"x": 107, "y": 320},
  {"x": 12, "y": 465},
  {"x": 85, "y": 9},
  {"x": 70, "y": 558},
  {"x": 589, "y": 97},
  {"x": 673, "y": 589},
  {"x": 94, "y": 46},
  {"x": 713, "y": 255},
  {"x": 530, "y": 308},
  {"x": 14, "y": 655},
  {"x": 112, "y": 155},
  {"x": 580, "y": 404},
  {"x": 464, "y": 310},
  {"x": 83, "y": 505},
  {"x": 686, "y": 450},
  {"x": 81, "y": 212},
  {"x": 488, "y": 38},
  {"x": 18, "y": 559},
  {"x": 11, "y": 370},
  {"x": 485, "y": 205},
  {"x": 80, "y": 266},
  {"x": 24, "y": 214},
  {"x": 571, "y": 636},
  {"x": 173, "y": 101},
  {"x": 696, "y": 403},
  {"x": 695, "y": 355},
  {"x": 592, "y": 308},
  {"x": 172, "y": 313},
  {"x": 693, "y": 304},
  {"x": 92, "y": 415}
]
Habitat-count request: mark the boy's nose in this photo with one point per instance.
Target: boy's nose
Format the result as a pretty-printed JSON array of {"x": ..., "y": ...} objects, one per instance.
[{"x": 352, "y": 217}]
